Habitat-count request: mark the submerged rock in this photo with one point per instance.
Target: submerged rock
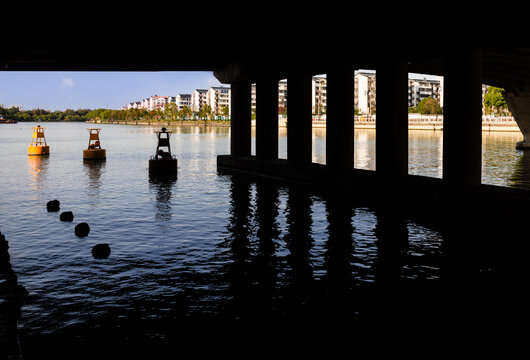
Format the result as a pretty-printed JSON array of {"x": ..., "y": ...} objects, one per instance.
[
  {"x": 53, "y": 205},
  {"x": 101, "y": 251},
  {"x": 82, "y": 229},
  {"x": 66, "y": 216}
]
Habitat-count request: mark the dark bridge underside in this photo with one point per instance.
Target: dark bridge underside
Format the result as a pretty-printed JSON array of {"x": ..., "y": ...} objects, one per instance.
[{"x": 258, "y": 38}]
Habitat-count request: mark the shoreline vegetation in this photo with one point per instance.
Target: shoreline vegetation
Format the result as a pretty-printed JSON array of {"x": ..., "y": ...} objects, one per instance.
[
  {"x": 493, "y": 105},
  {"x": 158, "y": 118},
  {"x": 107, "y": 115},
  {"x": 428, "y": 115}
]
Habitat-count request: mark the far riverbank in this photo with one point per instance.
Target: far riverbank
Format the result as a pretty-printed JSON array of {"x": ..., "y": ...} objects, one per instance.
[{"x": 416, "y": 122}]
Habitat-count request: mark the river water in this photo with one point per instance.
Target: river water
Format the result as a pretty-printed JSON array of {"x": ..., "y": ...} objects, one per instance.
[{"x": 214, "y": 261}]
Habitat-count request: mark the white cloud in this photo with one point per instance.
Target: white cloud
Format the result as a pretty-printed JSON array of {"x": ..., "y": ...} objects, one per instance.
[{"x": 67, "y": 82}]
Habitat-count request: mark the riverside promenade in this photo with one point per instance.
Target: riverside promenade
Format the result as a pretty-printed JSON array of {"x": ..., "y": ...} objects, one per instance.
[{"x": 416, "y": 122}]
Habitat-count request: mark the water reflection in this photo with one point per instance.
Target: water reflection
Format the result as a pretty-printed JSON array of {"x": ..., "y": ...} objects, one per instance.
[
  {"x": 375, "y": 274},
  {"x": 93, "y": 172},
  {"x": 243, "y": 261},
  {"x": 37, "y": 167},
  {"x": 500, "y": 160},
  {"x": 521, "y": 173},
  {"x": 339, "y": 246},
  {"x": 364, "y": 149},
  {"x": 163, "y": 189},
  {"x": 392, "y": 241},
  {"x": 425, "y": 153},
  {"x": 278, "y": 255}
]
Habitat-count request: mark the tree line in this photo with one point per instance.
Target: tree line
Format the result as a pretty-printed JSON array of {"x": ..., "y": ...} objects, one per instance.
[
  {"x": 14, "y": 113},
  {"x": 494, "y": 104},
  {"x": 170, "y": 113}
]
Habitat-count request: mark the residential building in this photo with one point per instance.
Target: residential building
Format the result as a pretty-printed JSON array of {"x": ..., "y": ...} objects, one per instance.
[
  {"x": 183, "y": 100},
  {"x": 218, "y": 98},
  {"x": 133, "y": 105},
  {"x": 419, "y": 89},
  {"x": 155, "y": 102},
  {"x": 253, "y": 98},
  {"x": 364, "y": 98},
  {"x": 198, "y": 99},
  {"x": 282, "y": 96},
  {"x": 319, "y": 95}
]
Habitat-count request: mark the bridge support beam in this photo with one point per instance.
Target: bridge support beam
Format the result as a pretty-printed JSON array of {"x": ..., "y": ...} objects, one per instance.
[
  {"x": 267, "y": 119},
  {"x": 519, "y": 105},
  {"x": 240, "y": 134},
  {"x": 299, "y": 127},
  {"x": 339, "y": 118},
  {"x": 392, "y": 119},
  {"x": 462, "y": 134}
]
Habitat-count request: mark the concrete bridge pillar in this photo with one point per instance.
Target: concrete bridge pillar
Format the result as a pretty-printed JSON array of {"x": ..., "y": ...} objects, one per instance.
[
  {"x": 240, "y": 134},
  {"x": 339, "y": 118},
  {"x": 392, "y": 118},
  {"x": 267, "y": 119},
  {"x": 299, "y": 127},
  {"x": 462, "y": 133},
  {"x": 519, "y": 105}
]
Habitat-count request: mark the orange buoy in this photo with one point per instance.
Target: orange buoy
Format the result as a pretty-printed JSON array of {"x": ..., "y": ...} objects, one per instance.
[
  {"x": 94, "y": 150},
  {"x": 38, "y": 144},
  {"x": 163, "y": 164}
]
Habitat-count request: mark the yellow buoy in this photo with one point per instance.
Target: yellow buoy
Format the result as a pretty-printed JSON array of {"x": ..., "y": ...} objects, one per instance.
[
  {"x": 38, "y": 144},
  {"x": 163, "y": 164},
  {"x": 94, "y": 150}
]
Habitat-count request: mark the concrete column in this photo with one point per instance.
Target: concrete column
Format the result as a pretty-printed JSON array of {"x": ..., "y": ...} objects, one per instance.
[
  {"x": 299, "y": 117},
  {"x": 240, "y": 119},
  {"x": 339, "y": 118},
  {"x": 392, "y": 118},
  {"x": 267, "y": 119},
  {"x": 519, "y": 105},
  {"x": 462, "y": 138}
]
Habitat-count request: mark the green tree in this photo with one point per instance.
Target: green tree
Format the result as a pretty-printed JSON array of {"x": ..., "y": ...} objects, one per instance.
[
  {"x": 206, "y": 112},
  {"x": 171, "y": 111},
  {"x": 494, "y": 102},
  {"x": 428, "y": 106},
  {"x": 186, "y": 112}
]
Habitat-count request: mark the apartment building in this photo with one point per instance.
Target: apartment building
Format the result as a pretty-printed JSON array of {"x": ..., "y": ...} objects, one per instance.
[
  {"x": 218, "y": 98},
  {"x": 319, "y": 95},
  {"x": 282, "y": 96},
  {"x": 132, "y": 105},
  {"x": 198, "y": 99},
  {"x": 154, "y": 102},
  {"x": 419, "y": 89},
  {"x": 364, "y": 92},
  {"x": 183, "y": 100}
]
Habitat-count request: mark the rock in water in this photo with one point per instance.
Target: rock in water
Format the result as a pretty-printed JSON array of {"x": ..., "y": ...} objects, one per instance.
[
  {"x": 101, "y": 251},
  {"x": 66, "y": 216},
  {"x": 53, "y": 205},
  {"x": 82, "y": 229}
]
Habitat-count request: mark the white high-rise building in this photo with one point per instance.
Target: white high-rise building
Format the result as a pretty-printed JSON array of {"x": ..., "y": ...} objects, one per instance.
[
  {"x": 420, "y": 89},
  {"x": 319, "y": 95},
  {"x": 198, "y": 99},
  {"x": 364, "y": 100},
  {"x": 218, "y": 98},
  {"x": 183, "y": 100}
]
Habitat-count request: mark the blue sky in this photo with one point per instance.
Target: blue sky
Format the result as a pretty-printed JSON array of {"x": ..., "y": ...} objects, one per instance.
[{"x": 91, "y": 90}]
